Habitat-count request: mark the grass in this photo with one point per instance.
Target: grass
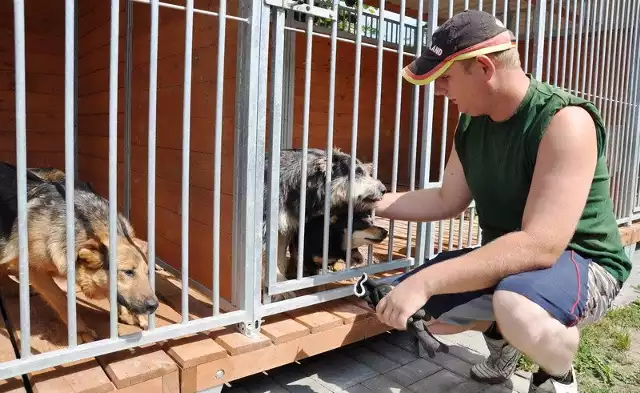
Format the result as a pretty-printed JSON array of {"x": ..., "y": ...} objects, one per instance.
[{"x": 608, "y": 358}]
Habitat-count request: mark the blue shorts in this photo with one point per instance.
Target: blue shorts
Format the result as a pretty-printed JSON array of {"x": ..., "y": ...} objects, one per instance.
[{"x": 574, "y": 289}]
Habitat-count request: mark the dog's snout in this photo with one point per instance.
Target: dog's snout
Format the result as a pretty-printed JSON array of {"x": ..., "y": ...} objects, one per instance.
[
  {"x": 151, "y": 305},
  {"x": 382, "y": 188},
  {"x": 384, "y": 232}
]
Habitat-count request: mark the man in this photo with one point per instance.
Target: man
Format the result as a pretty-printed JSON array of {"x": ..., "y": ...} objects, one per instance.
[{"x": 532, "y": 158}]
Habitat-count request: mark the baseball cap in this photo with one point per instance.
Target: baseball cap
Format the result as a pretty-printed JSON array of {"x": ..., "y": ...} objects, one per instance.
[{"x": 465, "y": 35}]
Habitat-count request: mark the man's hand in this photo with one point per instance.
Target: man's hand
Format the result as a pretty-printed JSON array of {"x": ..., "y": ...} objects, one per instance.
[{"x": 402, "y": 302}]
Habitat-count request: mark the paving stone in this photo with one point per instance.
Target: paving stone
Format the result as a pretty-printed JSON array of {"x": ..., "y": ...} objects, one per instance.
[
  {"x": 338, "y": 372},
  {"x": 498, "y": 389},
  {"x": 468, "y": 355},
  {"x": 295, "y": 381},
  {"x": 452, "y": 363},
  {"x": 442, "y": 381},
  {"x": 404, "y": 340},
  {"x": 412, "y": 372},
  {"x": 263, "y": 384},
  {"x": 391, "y": 351},
  {"x": 382, "y": 384},
  {"x": 518, "y": 384},
  {"x": 372, "y": 359},
  {"x": 468, "y": 386},
  {"x": 359, "y": 388}
]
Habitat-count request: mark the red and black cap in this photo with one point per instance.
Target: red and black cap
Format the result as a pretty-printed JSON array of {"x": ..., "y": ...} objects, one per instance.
[{"x": 464, "y": 36}]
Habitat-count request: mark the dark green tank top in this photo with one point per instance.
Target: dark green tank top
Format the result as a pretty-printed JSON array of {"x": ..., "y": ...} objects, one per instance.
[{"x": 498, "y": 160}]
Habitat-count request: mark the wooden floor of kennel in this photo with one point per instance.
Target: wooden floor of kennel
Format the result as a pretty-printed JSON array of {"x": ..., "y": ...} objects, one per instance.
[{"x": 193, "y": 363}]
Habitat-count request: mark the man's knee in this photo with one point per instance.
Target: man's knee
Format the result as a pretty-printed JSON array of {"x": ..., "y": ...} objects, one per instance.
[{"x": 526, "y": 322}]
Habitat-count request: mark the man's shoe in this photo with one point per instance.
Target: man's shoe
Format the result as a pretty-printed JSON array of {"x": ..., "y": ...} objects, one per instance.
[
  {"x": 500, "y": 365},
  {"x": 541, "y": 382}
]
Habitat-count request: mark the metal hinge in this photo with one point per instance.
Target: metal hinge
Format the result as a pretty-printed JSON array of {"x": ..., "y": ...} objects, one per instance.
[{"x": 301, "y": 6}]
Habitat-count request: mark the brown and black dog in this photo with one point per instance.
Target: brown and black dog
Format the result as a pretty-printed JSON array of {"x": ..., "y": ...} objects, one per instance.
[{"x": 46, "y": 225}]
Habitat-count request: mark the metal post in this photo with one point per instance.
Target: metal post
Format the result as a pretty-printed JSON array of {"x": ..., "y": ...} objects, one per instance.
[
  {"x": 538, "y": 38},
  {"x": 128, "y": 71},
  {"x": 249, "y": 158}
]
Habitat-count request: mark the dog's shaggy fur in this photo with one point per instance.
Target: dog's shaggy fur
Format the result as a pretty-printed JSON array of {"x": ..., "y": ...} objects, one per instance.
[
  {"x": 364, "y": 232},
  {"x": 46, "y": 225},
  {"x": 367, "y": 191}
]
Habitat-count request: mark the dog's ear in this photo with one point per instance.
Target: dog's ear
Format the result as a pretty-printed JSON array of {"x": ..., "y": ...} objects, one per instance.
[
  {"x": 144, "y": 246},
  {"x": 89, "y": 254}
]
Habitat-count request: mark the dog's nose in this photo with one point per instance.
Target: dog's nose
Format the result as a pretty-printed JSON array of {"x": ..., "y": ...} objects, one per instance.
[
  {"x": 384, "y": 232},
  {"x": 382, "y": 188},
  {"x": 151, "y": 304}
]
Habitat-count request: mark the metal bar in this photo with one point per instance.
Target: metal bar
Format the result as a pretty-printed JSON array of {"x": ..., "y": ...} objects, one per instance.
[
  {"x": 550, "y": 42},
  {"x": 273, "y": 176},
  {"x": 113, "y": 166},
  {"x": 493, "y": 8},
  {"x": 413, "y": 144},
  {"x": 249, "y": 158},
  {"x": 558, "y": 37},
  {"x": 217, "y": 154},
  {"x": 69, "y": 163},
  {"x": 312, "y": 281},
  {"x": 633, "y": 149},
  {"x": 607, "y": 81},
  {"x": 313, "y": 299},
  {"x": 128, "y": 71},
  {"x": 443, "y": 145},
  {"x": 567, "y": 83},
  {"x": 76, "y": 76},
  {"x": 616, "y": 108},
  {"x": 579, "y": 54},
  {"x": 538, "y": 38},
  {"x": 517, "y": 16},
  {"x": 305, "y": 143},
  {"x": 425, "y": 230},
  {"x": 330, "y": 125},
  {"x": 625, "y": 78},
  {"x": 195, "y": 10},
  {"x": 186, "y": 150},
  {"x": 378, "y": 103},
  {"x": 364, "y": 44},
  {"x": 396, "y": 127},
  {"x": 26, "y": 365},
  {"x": 527, "y": 37},
  {"x": 354, "y": 129},
  {"x": 595, "y": 40},
  {"x": 21, "y": 168},
  {"x": 151, "y": 153}
]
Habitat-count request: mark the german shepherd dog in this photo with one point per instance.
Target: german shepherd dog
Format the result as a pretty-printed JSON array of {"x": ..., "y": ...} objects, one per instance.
[
  {"x": 46, "y": 225},
  {"x": 364, "y": 232},
  {"x": 367, "y": 191}
]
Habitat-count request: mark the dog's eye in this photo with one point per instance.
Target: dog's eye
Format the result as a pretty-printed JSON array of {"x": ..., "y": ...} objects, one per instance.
[{"x": 129, "y": 273}]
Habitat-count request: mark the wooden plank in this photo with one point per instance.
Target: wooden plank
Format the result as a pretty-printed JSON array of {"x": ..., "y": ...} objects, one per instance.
[
  {"x": 236, "y": 343},
  {"x": 315, "y": 318},
  {"x": 224, "y": 370},
  {"x": 138, "y": 365},
  {"x": 280, "y": 328},
  {"x": 194, "y": 349},
  {"x": 49, "y": 333},
  {"x": 630, "y": 234}
]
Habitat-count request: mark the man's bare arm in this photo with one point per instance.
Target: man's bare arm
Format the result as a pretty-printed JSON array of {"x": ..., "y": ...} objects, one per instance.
[
  {"x": 430, "y": 204},
  {"x": 561, "y": 182}
]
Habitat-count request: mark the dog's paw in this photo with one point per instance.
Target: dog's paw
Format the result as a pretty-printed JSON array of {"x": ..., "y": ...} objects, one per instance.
[{"x": 126, "y": 316}]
